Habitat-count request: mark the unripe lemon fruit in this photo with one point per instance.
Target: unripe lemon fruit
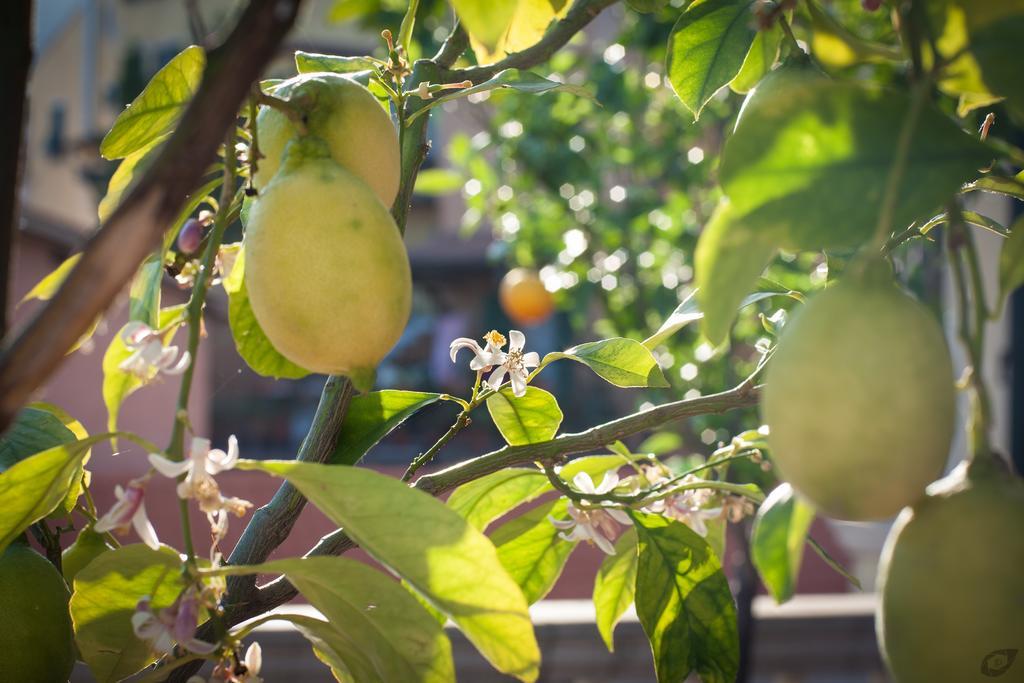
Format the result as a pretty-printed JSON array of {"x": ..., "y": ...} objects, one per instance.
[
  {"x": 859, "y": 398},
  {"x": 326, "y": 270},
  {"x": 87, "y": 547},
  {"x": 952, "y": 606},
  {"x": 524, "y": 298},
  {"x": 36, "y": 642},
  {"x": 347, "y": 116}
]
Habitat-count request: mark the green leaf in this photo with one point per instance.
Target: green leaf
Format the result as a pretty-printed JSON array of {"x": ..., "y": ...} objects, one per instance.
[
  {"x": 727, "y": 263},
  {"x": 995, "y": 27},
  {"x": 131, "y": 168},
  {"x": 34, "y": 486},
  {"x": 397, "y": 639},
  {"x": 118, "y": 384},
  {"x": 38, "y": 427},
  {"x": 777, "y": 540},
  {"x": 514, "y": 79},
  {"x": 1010, "y": 187},
  {"x": 530, "y": 418},
  {"x": 373, "y": 416},
  {"x": 436, "y": 182},
  {"x": 311, "y": 62},
  {"x": 444, "y": 558},
  {"x": 707, "y": 47},
  {"x": 684, "y": 604},
  {"x": 808, "y": 164},
  {"x": 333, "y": 648},
  {"x": 689, "y": 311},
  {"x": 484, "y": 500},
  {"x": 157, "y": 108},
  {"x": 1011, "y": 261},
  {"x": 619, "y": 361},
  {"x": 48, "y": 286},
  {"x": 105, "y": 594},
  {"x": 615, "y": 585},
  {"x": 485, "y": 21},
  {"x": 763, "y": 53},
  {"x": 530, "y": 548},
  {"x": 144, "y": 296},
  {"x": 250, "y": 340}
]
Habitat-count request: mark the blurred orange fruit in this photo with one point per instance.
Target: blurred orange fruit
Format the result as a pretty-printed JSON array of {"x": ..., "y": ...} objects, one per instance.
[{"x": 523, "y": 297}]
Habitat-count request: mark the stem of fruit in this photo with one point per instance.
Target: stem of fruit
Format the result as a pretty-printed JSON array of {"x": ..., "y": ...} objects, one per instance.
[
  {"x": 971, "y": 297},
  {"x": 884, "y": 227},
  {"x": 194, "y": 312}
]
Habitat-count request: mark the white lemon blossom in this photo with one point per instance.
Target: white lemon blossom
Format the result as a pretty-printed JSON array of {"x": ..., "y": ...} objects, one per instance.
[
  {"x": 199, "y": 469},
  {"x": 175, "y": 624},
  {"x": 595, "y": 525},
  {"x": 690, "y": 507},
  {"x": 129, "y": 511},
  {"x": 515, "y": 363},
  {"x": 149, "y": 355}
]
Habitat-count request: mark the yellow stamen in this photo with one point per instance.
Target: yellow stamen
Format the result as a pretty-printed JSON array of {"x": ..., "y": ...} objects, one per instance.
[{"x": 495, "y": 337}]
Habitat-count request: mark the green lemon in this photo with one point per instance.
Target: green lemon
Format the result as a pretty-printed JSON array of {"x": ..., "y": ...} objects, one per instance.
[
  {"x": 87, "y": 547},
  {"x": 348, "y": 117},
  {"x": 952, "y": 584},
  {"x": 859, "y": 399},
  {"x": 326, "y": 270},
  {"x": 36, "y": 643}
]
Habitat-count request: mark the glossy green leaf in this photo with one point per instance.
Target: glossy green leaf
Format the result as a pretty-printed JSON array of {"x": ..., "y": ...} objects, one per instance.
[
  {"x": 530, "y": 418},
  {"x": 128, "y": 172},
  {"x": 451, "y": 563},
  {"x": 106, "y": 592},
  {"x": 530, "y": 21},
  {"x": 1010, "y": 187},
  {"x": 808, "y": 164},
  {"x": 1011, "y": 261},
  {"x": 689, "y": 311},
  {"x": 615, "y": 586},
  {"x": 373, "y": 416},
  {"x": 707, "y": 47},
  {"x": 311, "y": 62},
  {"x": 250, "y": 340},
  {"x": 436, "y": 182},
  {"x": 777, "y": 540},
  {"x": 619, "y": 361},
  {"x": 144, "y": 296},
  {"x": 761, "y": 56},
  {"x": 118, "y": 384},
  {"x": 727, "y": 263},
  {"x": 684, "y": 604},
  {"x": 156, "y": 110},
  {"x": 397, "y": 640},
  {"x": 530, "y": 548},
  {"x": 34, "y": 486},
  {"x": 48, "y": 286},
  {"x": 485, "y": 499}
]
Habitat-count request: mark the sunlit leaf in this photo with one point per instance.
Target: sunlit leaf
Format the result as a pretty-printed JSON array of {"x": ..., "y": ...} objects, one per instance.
[
  {"x": 106, "y": 592},
  {"x": 684, "y": 604},
  {"x": 436, "y": 182},
  {"x": 530, "y": 418},
  {"x": 144, "y": 296},
  {"x": 371, "y": 417},
  {"x": 157, "y": 108},
  {"x": 444, "y": 558},
  {"x": 311, "y": 62},
  {"x": 48, "y": 286},
  {"x": 615, "y": 586},
  {"x": 777, "y": 540},
  {"x": 485, "y": 499},
  {"x": 531, "y": 550},
  {"x": 619, "y": 361},
  {"x": 759, "y": 60},
  {"x": 707, "y": 47},
  {"x": 131, "y": 168},
  {"x": 689, "y": 311}
]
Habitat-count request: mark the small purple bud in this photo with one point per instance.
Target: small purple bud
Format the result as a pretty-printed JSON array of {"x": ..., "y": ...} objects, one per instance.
[
  {"x": 870, "y": 5},
  {"x": 190, "y": 237}
]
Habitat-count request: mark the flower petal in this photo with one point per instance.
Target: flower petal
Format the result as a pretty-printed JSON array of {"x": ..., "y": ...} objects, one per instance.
[
  {"x": 144, "y": 528},
  {"x": 497, "y": 377},
  {"x": 584, "y": 483},
  {"x": 516, "y": 340},
  {"x": 531, "y": 359},
  {"x": 464, "y": 343},
  {"x": 518, "y": 383},
  {"x": 168, "y": 467}
]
